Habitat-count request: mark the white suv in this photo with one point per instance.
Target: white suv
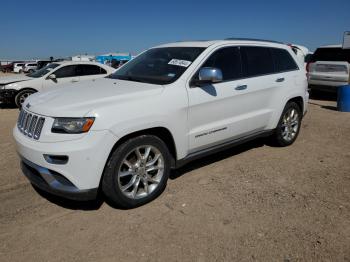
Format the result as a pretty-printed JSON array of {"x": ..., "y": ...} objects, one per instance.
[
  {"x": 30, "y": 67},
  {"x": 329, "y": 68},
  {"x": 18, "y": 67},
  {"x": 17, "y": 88},
  {"x": 171, "y": 104}
]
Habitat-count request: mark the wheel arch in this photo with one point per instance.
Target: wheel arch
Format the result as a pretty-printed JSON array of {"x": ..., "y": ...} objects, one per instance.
[
  {"x": 26, "y": 88},
  {"x": 299, "y": 101},
  {"x": 161, "y": 132}
]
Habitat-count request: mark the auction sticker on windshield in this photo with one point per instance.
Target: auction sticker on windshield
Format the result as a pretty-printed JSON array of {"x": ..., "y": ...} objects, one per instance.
[{"x": 178, "y": 62}]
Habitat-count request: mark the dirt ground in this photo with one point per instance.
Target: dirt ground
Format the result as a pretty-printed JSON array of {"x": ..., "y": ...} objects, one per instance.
[{"x": 251, "y": 203}]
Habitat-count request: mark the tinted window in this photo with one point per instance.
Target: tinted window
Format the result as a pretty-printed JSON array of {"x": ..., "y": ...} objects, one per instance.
[
  {"x": 256, "y": 61},
  {"x": 159, "y": 65},
  {"x": 228, "y": 60},
  {"x": 331, "y": 54},
  {"x": 66, "y": 71},
  {"x": 85, "y": 70},
  {"x": 283, "y": 60}
]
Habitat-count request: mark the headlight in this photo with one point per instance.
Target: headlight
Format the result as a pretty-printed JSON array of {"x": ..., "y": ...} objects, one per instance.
[
  {"x": 11, "y": 85},
  {"x": 72, "y": 125}
]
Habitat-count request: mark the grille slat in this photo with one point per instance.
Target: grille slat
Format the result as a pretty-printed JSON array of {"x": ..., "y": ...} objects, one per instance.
[{"x": 30, "y": 125}]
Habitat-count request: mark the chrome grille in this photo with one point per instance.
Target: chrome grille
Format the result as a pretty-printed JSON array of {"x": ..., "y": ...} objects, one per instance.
[{"x": 30, "y": 124}]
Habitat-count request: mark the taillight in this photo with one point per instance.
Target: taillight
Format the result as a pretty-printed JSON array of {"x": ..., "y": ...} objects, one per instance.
[{"x": 308, "y": 67}]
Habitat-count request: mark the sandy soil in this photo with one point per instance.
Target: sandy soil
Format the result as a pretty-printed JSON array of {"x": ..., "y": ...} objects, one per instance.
[{"x": 250, "y": 203}]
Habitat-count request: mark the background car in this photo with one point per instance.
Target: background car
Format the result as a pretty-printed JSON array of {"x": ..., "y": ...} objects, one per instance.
[
  {"x": 30, "y": 67},
  {"x": 7, "y": 68},
  {"x": 15, "y": 89},
  {"x": 42, "y": 63},
  {"x": 18, "y": 67},
  {"x": 329, "y": 68}
]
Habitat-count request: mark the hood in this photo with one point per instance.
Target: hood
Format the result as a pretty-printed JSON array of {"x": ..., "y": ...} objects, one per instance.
[
  {"x": 79, "y": 99},
  {"x": 13, "y": 79}
]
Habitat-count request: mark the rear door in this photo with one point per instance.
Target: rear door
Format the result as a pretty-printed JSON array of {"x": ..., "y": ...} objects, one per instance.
[{"x": 88, "y": 72}]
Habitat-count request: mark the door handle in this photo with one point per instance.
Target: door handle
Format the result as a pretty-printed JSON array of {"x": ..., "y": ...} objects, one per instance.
[
  {"x": 280, "y": 79},
  {"x": 242, "y": 87},
  {"x": 74, "y": 80}
]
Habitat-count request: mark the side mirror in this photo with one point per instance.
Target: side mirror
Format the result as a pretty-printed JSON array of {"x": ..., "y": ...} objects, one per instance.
[
  {"x": 52, "y": 77},
  {"x": 209, "y": 75}
]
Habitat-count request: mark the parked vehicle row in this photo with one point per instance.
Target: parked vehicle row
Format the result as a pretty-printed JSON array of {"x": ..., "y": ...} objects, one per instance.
[
  {"x": 169, "y": 105},
  {"x": 20, "y": 67}
]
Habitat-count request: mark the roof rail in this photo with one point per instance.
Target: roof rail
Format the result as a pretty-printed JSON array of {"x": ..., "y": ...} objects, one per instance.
[{"x": 253, "y": 39}]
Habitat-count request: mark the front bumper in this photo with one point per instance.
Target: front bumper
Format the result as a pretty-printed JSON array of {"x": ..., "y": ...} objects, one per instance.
[
  {"x": 7, "y": 95},
  {"x": 54, "y": 183},
  {"x": 79, "y": 175}
]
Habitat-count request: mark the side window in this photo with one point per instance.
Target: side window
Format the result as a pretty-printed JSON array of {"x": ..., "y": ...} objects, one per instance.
[
  {"x": 283, "y": 60},
  {"x": 85, "y": 70},
  {"x": 66, "y": 71},
  {"x": 228, "y": 60},
  {"x": 256, "y": 61}
]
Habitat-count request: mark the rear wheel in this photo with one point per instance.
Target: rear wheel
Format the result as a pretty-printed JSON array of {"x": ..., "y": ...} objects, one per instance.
[
  {"x": 289, "y": 125},
  {"x": 22, "y": 96},
  {"x": 137, "y": 171}
]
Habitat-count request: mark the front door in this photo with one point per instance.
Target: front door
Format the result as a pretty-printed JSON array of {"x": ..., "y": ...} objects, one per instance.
[
  {"x": 64, "y": 75},
  {"x": 236, "y": 107}
]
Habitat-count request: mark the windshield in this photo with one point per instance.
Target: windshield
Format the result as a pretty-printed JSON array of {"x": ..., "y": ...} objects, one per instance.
[
  {"x": 331, "y": 54},
  {"x": 43, "y": 71},
  {"x": 158, "y": 65}
]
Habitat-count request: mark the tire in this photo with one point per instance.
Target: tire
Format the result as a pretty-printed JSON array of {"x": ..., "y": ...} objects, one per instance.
[
  {"x": 126, "y": 181},
  {"x": 21, "y": 96},
  {"x": 288, "y": 126},
  {"x": 30, "y": 71}
]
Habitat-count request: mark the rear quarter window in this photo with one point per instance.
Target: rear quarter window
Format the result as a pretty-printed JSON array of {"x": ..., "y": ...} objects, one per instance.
[{"x": 283, "y": 60}]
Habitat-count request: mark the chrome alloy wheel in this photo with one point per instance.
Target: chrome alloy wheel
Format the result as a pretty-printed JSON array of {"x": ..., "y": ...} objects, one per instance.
[
  {"x": 141, "y": 171},
  {"x": 290, "y": 124},
  {"x": 23, "y": 97}
]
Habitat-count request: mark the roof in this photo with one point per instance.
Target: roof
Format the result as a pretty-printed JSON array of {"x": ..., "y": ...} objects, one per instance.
[
  {"x": 76, "y": 62},
  {"x": 83, "y": 62},
  {"x": 207, "y": 43}
]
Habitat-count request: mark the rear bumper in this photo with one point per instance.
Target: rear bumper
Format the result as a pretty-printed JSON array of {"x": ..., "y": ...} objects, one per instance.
[
  {"x": 54, "y": 183},
  {"x": 324, "y": 88},
  {"x": 7, "y": 95}
]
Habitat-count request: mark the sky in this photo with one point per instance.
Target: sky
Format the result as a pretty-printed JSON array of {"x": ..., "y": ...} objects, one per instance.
[{"x": 40, "y": 29}]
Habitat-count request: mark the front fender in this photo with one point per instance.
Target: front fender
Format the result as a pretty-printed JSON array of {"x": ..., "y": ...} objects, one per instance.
[{"x": 123, "y": 129}]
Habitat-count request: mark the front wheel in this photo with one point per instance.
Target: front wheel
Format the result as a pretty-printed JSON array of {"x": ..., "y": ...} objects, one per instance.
[
  {"x": 22, "y": 96},
  {"x": 136, "y": 172},
  {"x": 289, "y": 125}
]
